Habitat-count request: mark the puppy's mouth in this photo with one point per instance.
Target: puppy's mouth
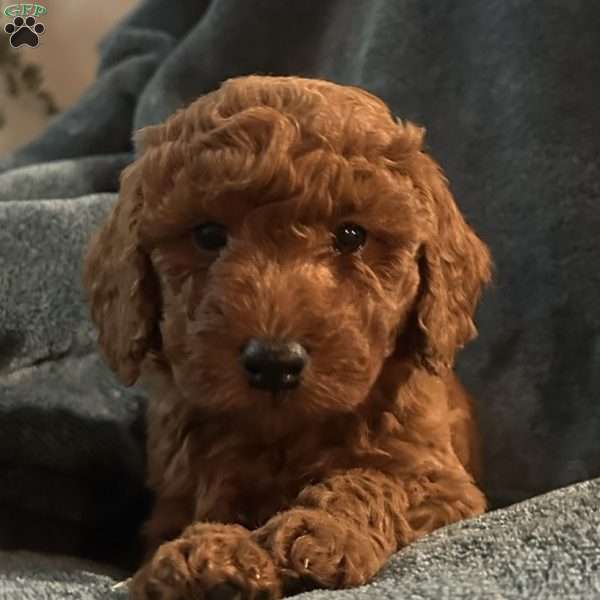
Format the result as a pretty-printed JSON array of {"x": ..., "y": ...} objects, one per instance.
[
  {"x": 278, "y": 393},
  {"x": 279, "y": 397}
]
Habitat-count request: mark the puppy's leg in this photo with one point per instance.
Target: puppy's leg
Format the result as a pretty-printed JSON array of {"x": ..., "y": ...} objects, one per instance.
[
  {"x": 168, "y": 519},
  {"x": 208, "y": 561},
  {"x": 342, "y": 531}
]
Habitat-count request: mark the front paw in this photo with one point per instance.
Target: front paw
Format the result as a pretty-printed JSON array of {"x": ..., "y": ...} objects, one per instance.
[
  {"x": 313, "y": 549},
  {"x": 208, "y": 562}
]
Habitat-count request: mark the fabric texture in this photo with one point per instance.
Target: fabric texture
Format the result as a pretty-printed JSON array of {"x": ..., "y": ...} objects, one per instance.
[
  {"x": 546, "y": 547},
  {"x": 509, "y": 94}
]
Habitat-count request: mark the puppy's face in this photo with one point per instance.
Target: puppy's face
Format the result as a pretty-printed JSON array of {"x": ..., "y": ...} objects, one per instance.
[
  {"x": 279, "y": 240},
  {"x": 290, "y": 303}
]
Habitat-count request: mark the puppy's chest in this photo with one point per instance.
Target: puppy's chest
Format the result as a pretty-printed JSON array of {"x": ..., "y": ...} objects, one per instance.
[{"x": 247, "y": 484}]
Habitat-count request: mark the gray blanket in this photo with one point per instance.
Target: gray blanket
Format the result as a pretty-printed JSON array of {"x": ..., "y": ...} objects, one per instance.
[
  {"x": 509, "y": 93},
  {"x": 544, "y": 548}
]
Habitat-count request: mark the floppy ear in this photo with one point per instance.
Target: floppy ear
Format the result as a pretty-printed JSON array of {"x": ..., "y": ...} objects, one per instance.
[
  {"x": 121, "y": 286},
  {"x": 454, "y": 264}
]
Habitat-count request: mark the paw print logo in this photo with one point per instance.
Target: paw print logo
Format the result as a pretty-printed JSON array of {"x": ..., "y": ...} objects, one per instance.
[{"x": 24, "y": 32}]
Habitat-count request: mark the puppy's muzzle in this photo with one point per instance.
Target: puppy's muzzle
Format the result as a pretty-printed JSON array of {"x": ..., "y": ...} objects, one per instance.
[{"x": 272, "y": 364}]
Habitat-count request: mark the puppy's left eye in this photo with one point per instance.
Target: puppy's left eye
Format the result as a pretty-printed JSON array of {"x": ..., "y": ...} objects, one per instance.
[
  {"x": 349, "y": 237},
  {"x": 210, "y": 236}
]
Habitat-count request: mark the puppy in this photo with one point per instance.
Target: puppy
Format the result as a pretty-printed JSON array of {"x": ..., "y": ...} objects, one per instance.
[{"x": 288, "y": 275}]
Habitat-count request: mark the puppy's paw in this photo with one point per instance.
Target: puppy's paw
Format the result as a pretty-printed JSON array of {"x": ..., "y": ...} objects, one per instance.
[
  {"x": 208, "y": 562},
  {"x": 313, "y": 549}
]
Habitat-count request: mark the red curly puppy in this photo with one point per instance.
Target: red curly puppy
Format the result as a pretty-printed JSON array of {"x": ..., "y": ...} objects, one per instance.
[{"x": 287, "y": 273}]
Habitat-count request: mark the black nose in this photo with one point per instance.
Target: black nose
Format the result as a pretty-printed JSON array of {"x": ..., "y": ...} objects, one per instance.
[{"x": 273, "y": 365}]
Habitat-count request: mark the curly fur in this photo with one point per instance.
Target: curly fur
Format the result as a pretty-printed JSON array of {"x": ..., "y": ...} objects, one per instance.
[{"x": 378, "y": 446}]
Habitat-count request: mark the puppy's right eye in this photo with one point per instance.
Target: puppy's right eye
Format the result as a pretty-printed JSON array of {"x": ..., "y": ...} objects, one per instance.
[{"x": 210, "y": 236}]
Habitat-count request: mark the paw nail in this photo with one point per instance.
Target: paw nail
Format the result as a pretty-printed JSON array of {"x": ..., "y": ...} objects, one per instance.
[
  {"x": 254, "y": 573},
  {"x": 120, "y": 584}
]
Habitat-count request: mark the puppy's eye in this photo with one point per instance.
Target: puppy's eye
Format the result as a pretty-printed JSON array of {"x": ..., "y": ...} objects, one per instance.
[
  {"x": 349, "y": 237},
  {"x": 210, "y": 236}
]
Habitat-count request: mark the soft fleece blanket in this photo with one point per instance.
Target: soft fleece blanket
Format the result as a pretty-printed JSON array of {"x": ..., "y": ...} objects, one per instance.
[{"x": 509, "y": 93}]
